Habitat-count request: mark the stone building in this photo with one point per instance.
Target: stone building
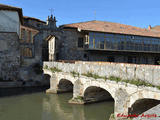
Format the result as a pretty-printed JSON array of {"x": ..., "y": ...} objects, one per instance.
[
  {"x": 36, "y": 41},
  {"x": 112, "y": 42},
  {"x": 10, "y": 21},
  {"x": 97, "y": 41}
]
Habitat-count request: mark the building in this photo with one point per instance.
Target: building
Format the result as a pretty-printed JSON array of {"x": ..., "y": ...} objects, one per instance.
[
  {"x": 26, "y": 42},
  {"x": 113, "y": 42},
  {"x": 10, "y": 21}
]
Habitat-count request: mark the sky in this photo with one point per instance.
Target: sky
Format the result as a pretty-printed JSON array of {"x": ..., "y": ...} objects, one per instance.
[{"x": 140, "y": 13}]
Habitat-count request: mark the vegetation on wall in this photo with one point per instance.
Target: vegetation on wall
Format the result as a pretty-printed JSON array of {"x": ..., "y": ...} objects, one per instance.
[
  {"x": 95, "y": 76},
  {"x": 112, "y": 78},
  {"x": 53, "y": 69},
  {"x": 74, "y": 74}
]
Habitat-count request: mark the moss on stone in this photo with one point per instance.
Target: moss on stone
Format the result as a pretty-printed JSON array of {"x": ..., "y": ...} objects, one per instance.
[
  {"x": 54, "y": 69},
  {"x": 74, "y": 74},
  {"x": 95, "y": 76}
]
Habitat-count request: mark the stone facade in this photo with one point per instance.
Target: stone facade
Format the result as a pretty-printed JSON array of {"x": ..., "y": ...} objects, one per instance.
[{"x": 9, "y": 56}]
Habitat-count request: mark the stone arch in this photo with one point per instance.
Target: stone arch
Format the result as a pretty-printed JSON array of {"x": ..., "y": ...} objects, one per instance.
[
  {"x": 96, "y": 94},
  {"x": 143, "y": 95},
  {"x": 48, "y": 72},
  {"x": 139, "y": 100},
  {"x": 110, "y": 89},
  {"x": 64, "y": 85},
  {"x": 46, "y": 79},
  {"x": 142, "y": 105}
]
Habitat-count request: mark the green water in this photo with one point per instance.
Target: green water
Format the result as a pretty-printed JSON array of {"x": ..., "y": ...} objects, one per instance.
[{"x": 41, "y": 106}]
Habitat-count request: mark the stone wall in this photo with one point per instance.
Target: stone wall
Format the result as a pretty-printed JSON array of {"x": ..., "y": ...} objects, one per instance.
[
  {"x": 148, "y": 73},
  {"x": 9, "y": 56},
  {"x": 9, "y": 21}
]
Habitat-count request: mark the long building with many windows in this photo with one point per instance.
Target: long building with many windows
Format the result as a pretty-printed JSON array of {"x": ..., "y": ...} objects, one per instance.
[{"x": 114, "y": 42}]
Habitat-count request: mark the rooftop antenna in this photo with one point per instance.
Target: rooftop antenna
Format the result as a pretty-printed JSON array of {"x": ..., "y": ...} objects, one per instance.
[{"x": 51, "y": 10}]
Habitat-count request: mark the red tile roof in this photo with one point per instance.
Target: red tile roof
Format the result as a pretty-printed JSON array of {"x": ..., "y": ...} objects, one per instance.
[
  {"x": 109, "y": 27},
  {"x": 11, "y": 8}
]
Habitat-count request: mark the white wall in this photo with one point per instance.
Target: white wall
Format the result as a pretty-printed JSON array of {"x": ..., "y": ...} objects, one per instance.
[
  {"x": 9, "y": 21},
  {"x": 52, "y": 45}
]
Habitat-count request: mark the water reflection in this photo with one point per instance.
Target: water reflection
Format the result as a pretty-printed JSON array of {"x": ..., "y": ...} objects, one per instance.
[
  {"x": 41, "y": 106},
  {"x": 57, "y": 107}
]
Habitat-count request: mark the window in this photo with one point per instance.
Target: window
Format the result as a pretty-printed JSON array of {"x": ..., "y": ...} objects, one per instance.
[
  {"x": 26, "y": 52},
  {"x": 23, "y": 37},
  {"x": 80, "y": 42}
]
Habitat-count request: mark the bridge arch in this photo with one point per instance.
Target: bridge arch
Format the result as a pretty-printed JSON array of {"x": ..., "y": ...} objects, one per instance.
[
  {"x": 142, "y": 105},
  {"x": 96, "y": 94},
  {"x": 111, "y": 90},
  {"x": 65, "y": 85},
  {"x": 46, "y": 79},
  {"x": 139, "y": 100}
]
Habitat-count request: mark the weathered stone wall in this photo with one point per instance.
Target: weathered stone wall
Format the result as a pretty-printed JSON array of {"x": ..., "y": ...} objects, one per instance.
[
  {"x": 69, "y": 49},
  {"x": 9, "y": 21},
  {"x": 124, "y": 94},
  {"x": 148, "y": 73},
  {"x": 9, "y": 56}
]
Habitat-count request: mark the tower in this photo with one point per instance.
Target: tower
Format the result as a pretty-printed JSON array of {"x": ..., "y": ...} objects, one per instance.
[{"x": 51, "y": 22}]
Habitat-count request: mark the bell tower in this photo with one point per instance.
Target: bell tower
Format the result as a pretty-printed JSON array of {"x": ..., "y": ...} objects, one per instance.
[{"x": 51, "y": 22}]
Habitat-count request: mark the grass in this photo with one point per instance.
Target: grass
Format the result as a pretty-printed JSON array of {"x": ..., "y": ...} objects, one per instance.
[
  {"x": 54, "y": 69},
  {"x": 79, "y": 98},
  {"x": 45, "y": 67},
  {"x": 95, "y": 76},
  {"x": 118, "y": 79},
  {"x": 74, "y": 74},
  {"x": 112, "y": 78},
  {"x": 134, "y": 82}
]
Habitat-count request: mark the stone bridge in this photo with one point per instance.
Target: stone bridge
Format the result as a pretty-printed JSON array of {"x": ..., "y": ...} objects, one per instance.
[{"x": 128, "y": 98}]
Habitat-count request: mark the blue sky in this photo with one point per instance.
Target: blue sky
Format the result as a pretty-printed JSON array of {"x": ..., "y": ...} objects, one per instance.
[{"x": 140, "y": 13}]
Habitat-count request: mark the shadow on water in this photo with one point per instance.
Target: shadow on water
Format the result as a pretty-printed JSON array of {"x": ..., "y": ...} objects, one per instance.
[{"x": 5, "y": 92}]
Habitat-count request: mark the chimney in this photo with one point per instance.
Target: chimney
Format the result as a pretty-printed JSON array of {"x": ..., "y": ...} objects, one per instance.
[{"x": 149, "y": 27}]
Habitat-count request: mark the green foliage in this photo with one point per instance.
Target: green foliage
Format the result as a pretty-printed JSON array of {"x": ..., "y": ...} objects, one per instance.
[
  {"x": 134, "y": 82},
  {"x": 45, "y": 67},
  {"x": 54, "y": 69},
  {"x": 95, "y": 76},
  {"x": 75, "y": 74},
  {"x": 79, "y": 98},
  {"x": 117, "y": 79}
]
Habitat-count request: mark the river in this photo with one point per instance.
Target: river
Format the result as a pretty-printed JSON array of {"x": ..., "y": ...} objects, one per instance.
[{"x": 42, "y": 106}]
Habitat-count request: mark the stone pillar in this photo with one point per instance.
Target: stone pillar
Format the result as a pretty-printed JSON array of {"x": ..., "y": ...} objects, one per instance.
[
  {"x": 121, "y": 104},
  {"x": 53, "y": 84},
  {"x": 78, "y": 97}
]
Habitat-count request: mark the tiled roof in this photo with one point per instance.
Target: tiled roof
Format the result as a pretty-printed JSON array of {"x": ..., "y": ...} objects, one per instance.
[
  {"x": 11, "y": 8},
  {"x": 157, "y": 28},
  {"x": 109, "y": 27},
  {"x": 32, "y": 18}
]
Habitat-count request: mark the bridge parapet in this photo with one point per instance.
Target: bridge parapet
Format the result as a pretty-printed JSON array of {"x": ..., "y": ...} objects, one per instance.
[{"x": 147, "y": 73}]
